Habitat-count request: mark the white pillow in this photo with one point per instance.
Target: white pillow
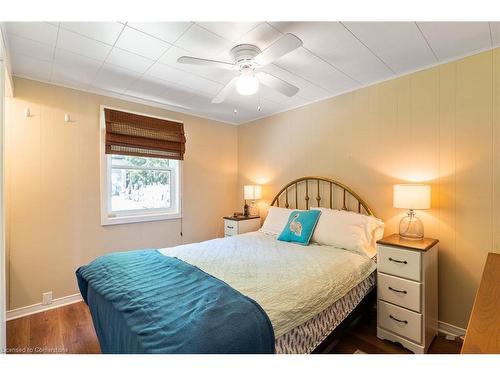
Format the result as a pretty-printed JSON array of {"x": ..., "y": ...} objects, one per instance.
[
  {"x": 348, "y": 230},
  {"x": 276, "y": 220}
]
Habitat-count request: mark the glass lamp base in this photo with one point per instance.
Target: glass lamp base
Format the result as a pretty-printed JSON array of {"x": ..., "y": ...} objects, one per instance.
[{"x": 411, "y": 228}]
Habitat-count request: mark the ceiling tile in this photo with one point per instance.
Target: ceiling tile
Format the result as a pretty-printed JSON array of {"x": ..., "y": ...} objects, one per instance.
[
  {"x": 29, "y": 67},
  {"x": 31, "y": 48},
  {"x": 214, "y": 74},
  {"x": 315, "y": 70},
  {"x": 248, "y": 107},
  {"x": 141, "y": 44},
  {"x": 129, "y": 60},
  {"x": 69, "y": 76},
  {"x": 177, "y": 94},
  {"x": 262, "y": 36},
  {"x": 307, "y": 90},
  {"x": 451, "y": 40},
  {"x": 148, "y": 88},
  {"x": 170, "y": 57},
  {"x": 267, "y": 93},
  {"x": 70, "y": 67},
  {"x": 399, "y": 44},
  {"x": 167, "y": 73},
  {"x": 106, "y": 32},
  {"x": 160, "y": 92},
  {"x": 167, "y": 31},
  {"x": 82, "y": 45},
  {"x": 202, "y": 85},
  {"x": 242, "y": 101},
  {"x": 223, "y": 112},
  {"x": 335, "y": 44},
  {"x": 113, "y": 78},
  {"x": 39, "y": 31},
  {"x": 62, "y": 56},
  {"x": 202, "y": 43},
  {"x": 230, "y": 31}
]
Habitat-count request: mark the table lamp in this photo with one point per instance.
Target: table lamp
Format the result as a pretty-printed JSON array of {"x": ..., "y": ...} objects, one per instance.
[
  {"x": 251, "y": 192},
  {"x": 412, "y": 197}
]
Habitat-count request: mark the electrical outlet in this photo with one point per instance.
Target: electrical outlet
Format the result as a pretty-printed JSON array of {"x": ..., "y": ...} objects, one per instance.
[{"x": 47, "y": 298}]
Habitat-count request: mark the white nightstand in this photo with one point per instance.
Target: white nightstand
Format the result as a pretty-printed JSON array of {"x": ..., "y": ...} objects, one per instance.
[
  {"x": 407, "y": 280},
  {"x": 240, "y": 224}
]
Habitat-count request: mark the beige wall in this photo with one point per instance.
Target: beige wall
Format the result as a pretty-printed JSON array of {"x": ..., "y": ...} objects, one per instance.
[
  {"x": 439, "y": 125},
  {"x": 52, "y": 188}
]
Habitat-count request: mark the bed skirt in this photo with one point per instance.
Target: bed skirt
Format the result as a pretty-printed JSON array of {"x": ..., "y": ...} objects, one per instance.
[{"x": 306, "y": 337}]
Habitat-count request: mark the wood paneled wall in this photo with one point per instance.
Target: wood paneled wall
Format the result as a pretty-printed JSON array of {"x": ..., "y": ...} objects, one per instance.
[{"x": 439, "y": 125}]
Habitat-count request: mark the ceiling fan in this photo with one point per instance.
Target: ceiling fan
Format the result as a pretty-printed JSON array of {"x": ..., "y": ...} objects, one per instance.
[{"x": 248, "y": 60}]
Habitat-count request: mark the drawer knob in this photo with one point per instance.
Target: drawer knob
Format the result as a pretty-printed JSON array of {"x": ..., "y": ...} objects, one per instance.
[
  {"x": 230, "y": 227},
  {"x": 397, "y": 290},
  {"x": 398, "y": 320},
  {"x": 398, "y": 261}
]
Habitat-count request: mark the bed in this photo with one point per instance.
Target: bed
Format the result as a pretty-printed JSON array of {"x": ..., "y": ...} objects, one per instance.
[{"x": 247, "y": 294}]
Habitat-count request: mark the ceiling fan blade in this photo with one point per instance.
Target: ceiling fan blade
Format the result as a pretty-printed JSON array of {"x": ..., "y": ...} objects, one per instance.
[
  {"x": 205, "y": 62},
  {"x": 224, "y": 92},
  {"x": 277, "y": 83},
  {"x": 281, "y": 47}
]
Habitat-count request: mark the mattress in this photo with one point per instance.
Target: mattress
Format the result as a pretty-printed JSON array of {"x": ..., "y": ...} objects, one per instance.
[{"x": 291, "y": 282}]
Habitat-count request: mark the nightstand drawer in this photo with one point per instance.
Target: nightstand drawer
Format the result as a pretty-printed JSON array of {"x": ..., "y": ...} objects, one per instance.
[
  {"x": 230, "y": 227},
  {"x": 401, "y": 292},
  {"x": 399, "y": 262},
  {"x": 403, "y": 322}
]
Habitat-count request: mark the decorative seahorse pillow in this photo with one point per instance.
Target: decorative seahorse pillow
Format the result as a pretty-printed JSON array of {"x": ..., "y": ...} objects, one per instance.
[{"x": 300, "y": 227}]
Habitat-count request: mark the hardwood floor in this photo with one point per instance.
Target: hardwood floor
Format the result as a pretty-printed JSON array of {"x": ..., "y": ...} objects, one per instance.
[
  {"x": 69, "y": 329},
  {"x": 363, "y": 336}
]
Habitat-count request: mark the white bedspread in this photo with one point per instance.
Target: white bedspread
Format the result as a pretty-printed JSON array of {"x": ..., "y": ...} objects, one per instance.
[{"x": 292, "y": 283}]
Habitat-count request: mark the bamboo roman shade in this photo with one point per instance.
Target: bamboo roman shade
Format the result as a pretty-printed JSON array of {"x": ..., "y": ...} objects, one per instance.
[{"x": 137, "y": 135}]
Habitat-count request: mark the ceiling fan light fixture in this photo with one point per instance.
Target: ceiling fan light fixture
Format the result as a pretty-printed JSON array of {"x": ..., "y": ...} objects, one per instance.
[
  {"x": 247, "y": 84},
  {"x": 248, "y": 59}
]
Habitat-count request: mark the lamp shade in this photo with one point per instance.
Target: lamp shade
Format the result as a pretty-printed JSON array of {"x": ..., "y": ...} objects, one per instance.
[
  {"x": 252, "y": 192},
  {"x": 412, "y": 196}
]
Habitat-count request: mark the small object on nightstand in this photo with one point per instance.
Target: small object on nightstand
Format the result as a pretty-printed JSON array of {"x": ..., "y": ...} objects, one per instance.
[
  {"x": 407, "y": 305},
  {"x": 240, "y": 224}
]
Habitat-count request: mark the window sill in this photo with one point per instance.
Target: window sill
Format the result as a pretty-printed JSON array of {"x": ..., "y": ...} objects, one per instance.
[{"x": 129, "y": 219}]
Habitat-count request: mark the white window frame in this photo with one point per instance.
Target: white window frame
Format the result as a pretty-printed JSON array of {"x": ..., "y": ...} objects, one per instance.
[{"x": 133, "y": 216}]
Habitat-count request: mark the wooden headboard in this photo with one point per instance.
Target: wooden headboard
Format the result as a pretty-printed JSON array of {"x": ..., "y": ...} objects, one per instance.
[{"x": 323, "y": 192}]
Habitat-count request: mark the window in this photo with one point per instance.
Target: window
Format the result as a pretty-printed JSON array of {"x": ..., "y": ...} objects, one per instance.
[
  {"x": 134, "y": 187},
  {"x": 140, "y": 185}
]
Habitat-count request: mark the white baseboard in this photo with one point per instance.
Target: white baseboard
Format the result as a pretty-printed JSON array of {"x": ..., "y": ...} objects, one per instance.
[
  {"x": 38, "y": 307},
  {"x": 450, "y": 329}
]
